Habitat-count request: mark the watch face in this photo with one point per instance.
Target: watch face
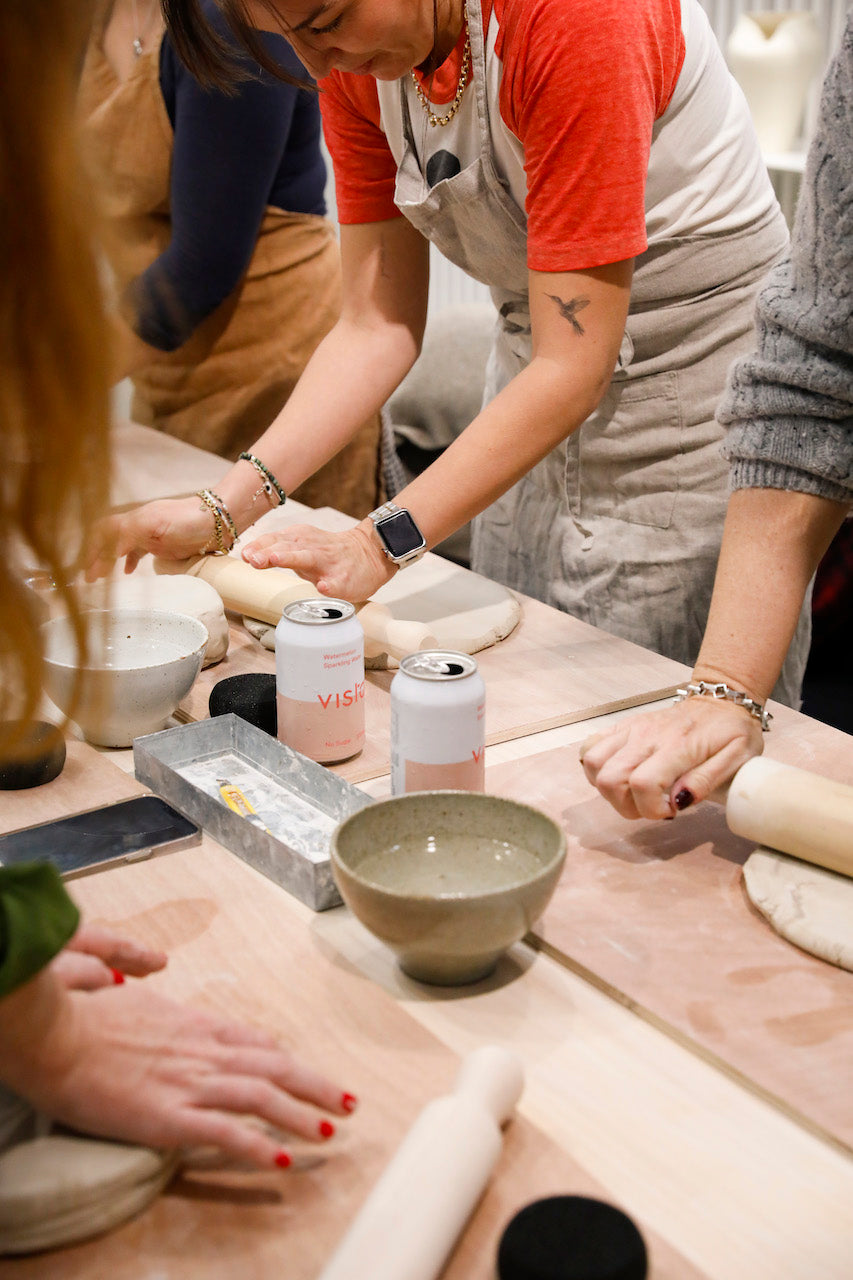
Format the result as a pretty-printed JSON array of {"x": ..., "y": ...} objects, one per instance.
[{"x": 400, "y": 534}]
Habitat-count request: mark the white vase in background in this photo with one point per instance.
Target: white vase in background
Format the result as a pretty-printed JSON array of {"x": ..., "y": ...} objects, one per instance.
[{"x": 775, "y": 58}]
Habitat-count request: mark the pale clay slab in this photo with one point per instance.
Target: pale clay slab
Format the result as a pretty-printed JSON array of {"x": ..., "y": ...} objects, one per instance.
[
  {"x": 809, "y": 905},
  {"x": 62, "y": 1188},
  {"x": 463, "y": 610}
]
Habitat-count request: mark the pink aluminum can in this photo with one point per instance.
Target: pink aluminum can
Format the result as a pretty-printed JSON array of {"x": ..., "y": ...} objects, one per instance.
[
  {"x": 438, "y": 723},
  {"x": 319, "y": 675}
]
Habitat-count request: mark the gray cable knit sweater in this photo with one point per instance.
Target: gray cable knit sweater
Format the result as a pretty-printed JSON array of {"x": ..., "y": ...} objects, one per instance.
[{"x": 789, "y": 407}]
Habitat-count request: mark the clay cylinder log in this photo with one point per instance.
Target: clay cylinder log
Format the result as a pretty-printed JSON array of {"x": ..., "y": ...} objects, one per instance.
[
  {"x": 794, "y": 812},
  {"x": 410, "y": 1221},
  {"x": 263, "y": 593}
]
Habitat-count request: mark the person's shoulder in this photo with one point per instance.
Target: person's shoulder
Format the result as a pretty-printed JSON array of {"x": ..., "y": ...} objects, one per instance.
[
  {"x": 358, "y": 95},
  {"x": 568, "y": 17}
]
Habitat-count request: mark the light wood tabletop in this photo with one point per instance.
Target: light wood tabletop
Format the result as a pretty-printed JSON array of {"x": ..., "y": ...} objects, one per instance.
[{"x": 725, "y": 1180}]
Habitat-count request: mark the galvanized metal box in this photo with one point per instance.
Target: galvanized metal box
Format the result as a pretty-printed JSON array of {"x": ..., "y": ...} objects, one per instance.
[{"x": 297, "y": 802}]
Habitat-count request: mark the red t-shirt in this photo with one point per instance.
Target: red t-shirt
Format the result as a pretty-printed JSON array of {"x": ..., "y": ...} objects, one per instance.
[{"x": 581, "y": 85}]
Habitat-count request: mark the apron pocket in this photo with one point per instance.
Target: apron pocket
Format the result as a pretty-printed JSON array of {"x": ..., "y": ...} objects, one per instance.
[{"x": 627, "y": 463}]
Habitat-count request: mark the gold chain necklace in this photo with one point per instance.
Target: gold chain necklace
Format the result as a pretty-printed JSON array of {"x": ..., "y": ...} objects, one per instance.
[{"x": 464, "y": 76}]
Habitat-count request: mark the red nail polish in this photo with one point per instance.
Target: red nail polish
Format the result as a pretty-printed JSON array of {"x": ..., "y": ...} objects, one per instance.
[
  {"x": 118, "y": 976},
  {"x": 283, "y": 1160},
  {"x": 349, "y": 1102},
  {"x": 684, "y": 798},
  {"x": 327, "y": 1129}
]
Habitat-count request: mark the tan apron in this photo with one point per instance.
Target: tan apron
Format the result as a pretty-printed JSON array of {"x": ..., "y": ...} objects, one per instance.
[
  {"x": 620, "y": 525},
  {"x": 225, "y": 385}
]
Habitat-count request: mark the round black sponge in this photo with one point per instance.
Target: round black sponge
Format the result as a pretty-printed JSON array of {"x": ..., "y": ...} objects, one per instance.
[
  {"x": 571, "y": 1238},
  {"x": 250, "y": 696},
  {"x": 37, "y": 756}
]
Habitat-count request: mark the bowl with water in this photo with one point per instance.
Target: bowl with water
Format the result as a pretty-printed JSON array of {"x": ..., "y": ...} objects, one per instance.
[
  {"x": 448, "y": 879},
  {"x": 138, "y": 665}
]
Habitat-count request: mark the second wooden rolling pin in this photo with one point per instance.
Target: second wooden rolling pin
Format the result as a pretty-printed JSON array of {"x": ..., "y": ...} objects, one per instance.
[
  {"x": 407, "y": 1227},
  {"x": 794, "y": 812},
  {"x": 263, "y": 593}
]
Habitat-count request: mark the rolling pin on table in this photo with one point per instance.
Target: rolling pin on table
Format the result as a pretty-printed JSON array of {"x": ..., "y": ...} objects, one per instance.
[
  {"x": 793, "y": 811},
  {"x": 263, "y": 593}
]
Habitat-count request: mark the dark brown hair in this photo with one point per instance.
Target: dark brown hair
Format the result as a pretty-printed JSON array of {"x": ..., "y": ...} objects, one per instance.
[{"x": 204, "y": 52}]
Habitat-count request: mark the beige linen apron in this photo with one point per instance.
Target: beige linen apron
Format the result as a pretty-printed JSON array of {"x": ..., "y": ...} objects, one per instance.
[
  {"x": 224, "y": 386},
  {"x": 620, "y": 525}
]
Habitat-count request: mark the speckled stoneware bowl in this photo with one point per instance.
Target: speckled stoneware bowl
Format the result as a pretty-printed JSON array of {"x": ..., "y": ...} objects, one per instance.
[
  {"x": 141, "y": 663},
  {"x": 448, "y": 879}
]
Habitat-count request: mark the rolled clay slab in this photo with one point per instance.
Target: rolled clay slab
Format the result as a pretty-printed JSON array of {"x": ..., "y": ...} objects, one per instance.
[
  {"x": 61, "y": 1188},
  {"x": 808, "y": 905},
  {"x": 462, "y": 610},
  {"x": 178, "y": 593}
]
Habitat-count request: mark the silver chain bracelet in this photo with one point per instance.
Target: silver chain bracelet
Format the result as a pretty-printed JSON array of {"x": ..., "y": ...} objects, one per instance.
[{"x": 702, "y": 689}]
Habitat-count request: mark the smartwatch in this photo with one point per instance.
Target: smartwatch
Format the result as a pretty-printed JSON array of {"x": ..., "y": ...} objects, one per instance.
[{"x": 402, "y": 540}]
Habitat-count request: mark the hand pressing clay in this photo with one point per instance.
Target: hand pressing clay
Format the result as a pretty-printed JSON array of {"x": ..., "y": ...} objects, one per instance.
[
  {"x": 810, "y": 906},
  {"x": 179, "y": 593},
  {"x": 62, "y": 1188}
]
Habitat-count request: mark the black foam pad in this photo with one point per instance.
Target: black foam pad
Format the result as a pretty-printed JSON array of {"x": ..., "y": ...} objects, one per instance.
[
  {"x": 250, "y": 696},
  {"x": 36, "y": 754},
  {"x": 571, "y": 1238}
]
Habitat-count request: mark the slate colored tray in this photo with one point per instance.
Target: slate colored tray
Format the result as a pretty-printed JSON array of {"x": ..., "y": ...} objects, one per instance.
[{"x": 298, "y": 800}]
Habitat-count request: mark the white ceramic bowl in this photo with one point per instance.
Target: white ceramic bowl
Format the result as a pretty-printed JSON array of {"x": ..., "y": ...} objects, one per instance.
[
  {"x": 448, "y": 879},
  {"x": 140, "y": 664}
]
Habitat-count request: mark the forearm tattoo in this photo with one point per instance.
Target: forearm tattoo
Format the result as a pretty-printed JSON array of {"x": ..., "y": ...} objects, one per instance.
[{"x": 569, "y": 310}]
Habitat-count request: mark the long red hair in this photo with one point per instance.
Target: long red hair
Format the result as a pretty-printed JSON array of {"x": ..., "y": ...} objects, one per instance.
[{"x": 54, "y": 389}]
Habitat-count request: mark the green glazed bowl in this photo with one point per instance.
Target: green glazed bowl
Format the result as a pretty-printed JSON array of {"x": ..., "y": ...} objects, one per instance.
[{"x": 448, "y": 879}]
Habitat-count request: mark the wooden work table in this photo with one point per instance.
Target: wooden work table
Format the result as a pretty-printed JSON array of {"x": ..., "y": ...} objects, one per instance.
[{"x": 726, "y": 1180}]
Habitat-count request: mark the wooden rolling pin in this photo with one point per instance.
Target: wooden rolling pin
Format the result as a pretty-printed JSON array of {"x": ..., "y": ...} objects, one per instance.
[
  {"x": 409, "y": 1223},
  {"x": 263, "y": 593},
  {"x": 794, "y": 812}
]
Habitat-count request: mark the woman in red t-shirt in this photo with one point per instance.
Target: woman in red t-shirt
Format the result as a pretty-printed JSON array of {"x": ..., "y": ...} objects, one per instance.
[{"x": 592, "y": 163}]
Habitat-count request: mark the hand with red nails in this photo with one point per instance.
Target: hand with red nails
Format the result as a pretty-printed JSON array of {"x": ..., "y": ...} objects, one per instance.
[
  {"x": 122, "y": 1062},
  {"x": 96, "y": 957},
  {"x": 658, "y": 763}
]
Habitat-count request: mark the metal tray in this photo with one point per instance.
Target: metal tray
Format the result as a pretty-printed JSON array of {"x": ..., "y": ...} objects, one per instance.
[{"x": 298, "y": 802}]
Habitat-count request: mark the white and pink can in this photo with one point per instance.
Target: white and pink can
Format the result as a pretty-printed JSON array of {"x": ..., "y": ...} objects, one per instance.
[
  {"x": 319, "y": 675},
  {"x": 438, "y": 723}
]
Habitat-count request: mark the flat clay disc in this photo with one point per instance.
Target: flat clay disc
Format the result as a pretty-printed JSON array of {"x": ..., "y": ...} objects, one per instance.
[
  {"x": 62, "y": 1188},
  {"x": 463, "y": 610},
  {"x": 810, "y": 906}
]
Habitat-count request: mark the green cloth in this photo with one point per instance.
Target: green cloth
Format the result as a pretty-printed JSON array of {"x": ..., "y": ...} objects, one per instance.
[{"x": 37, "y": 918}]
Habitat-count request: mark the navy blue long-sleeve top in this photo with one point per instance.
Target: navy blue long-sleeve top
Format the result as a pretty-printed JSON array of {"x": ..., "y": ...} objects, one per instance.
[{"x": 233, "y": 156}]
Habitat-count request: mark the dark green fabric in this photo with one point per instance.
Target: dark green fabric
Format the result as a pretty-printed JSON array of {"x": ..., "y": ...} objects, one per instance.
[{"x": 37, "y": 918}]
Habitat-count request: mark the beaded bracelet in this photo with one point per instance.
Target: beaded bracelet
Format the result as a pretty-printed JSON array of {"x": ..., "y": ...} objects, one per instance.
[
  {"x": 221, "y": 520},
  {"x": 702, "y": 689},
  {"x": 270, "y": 484}
]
